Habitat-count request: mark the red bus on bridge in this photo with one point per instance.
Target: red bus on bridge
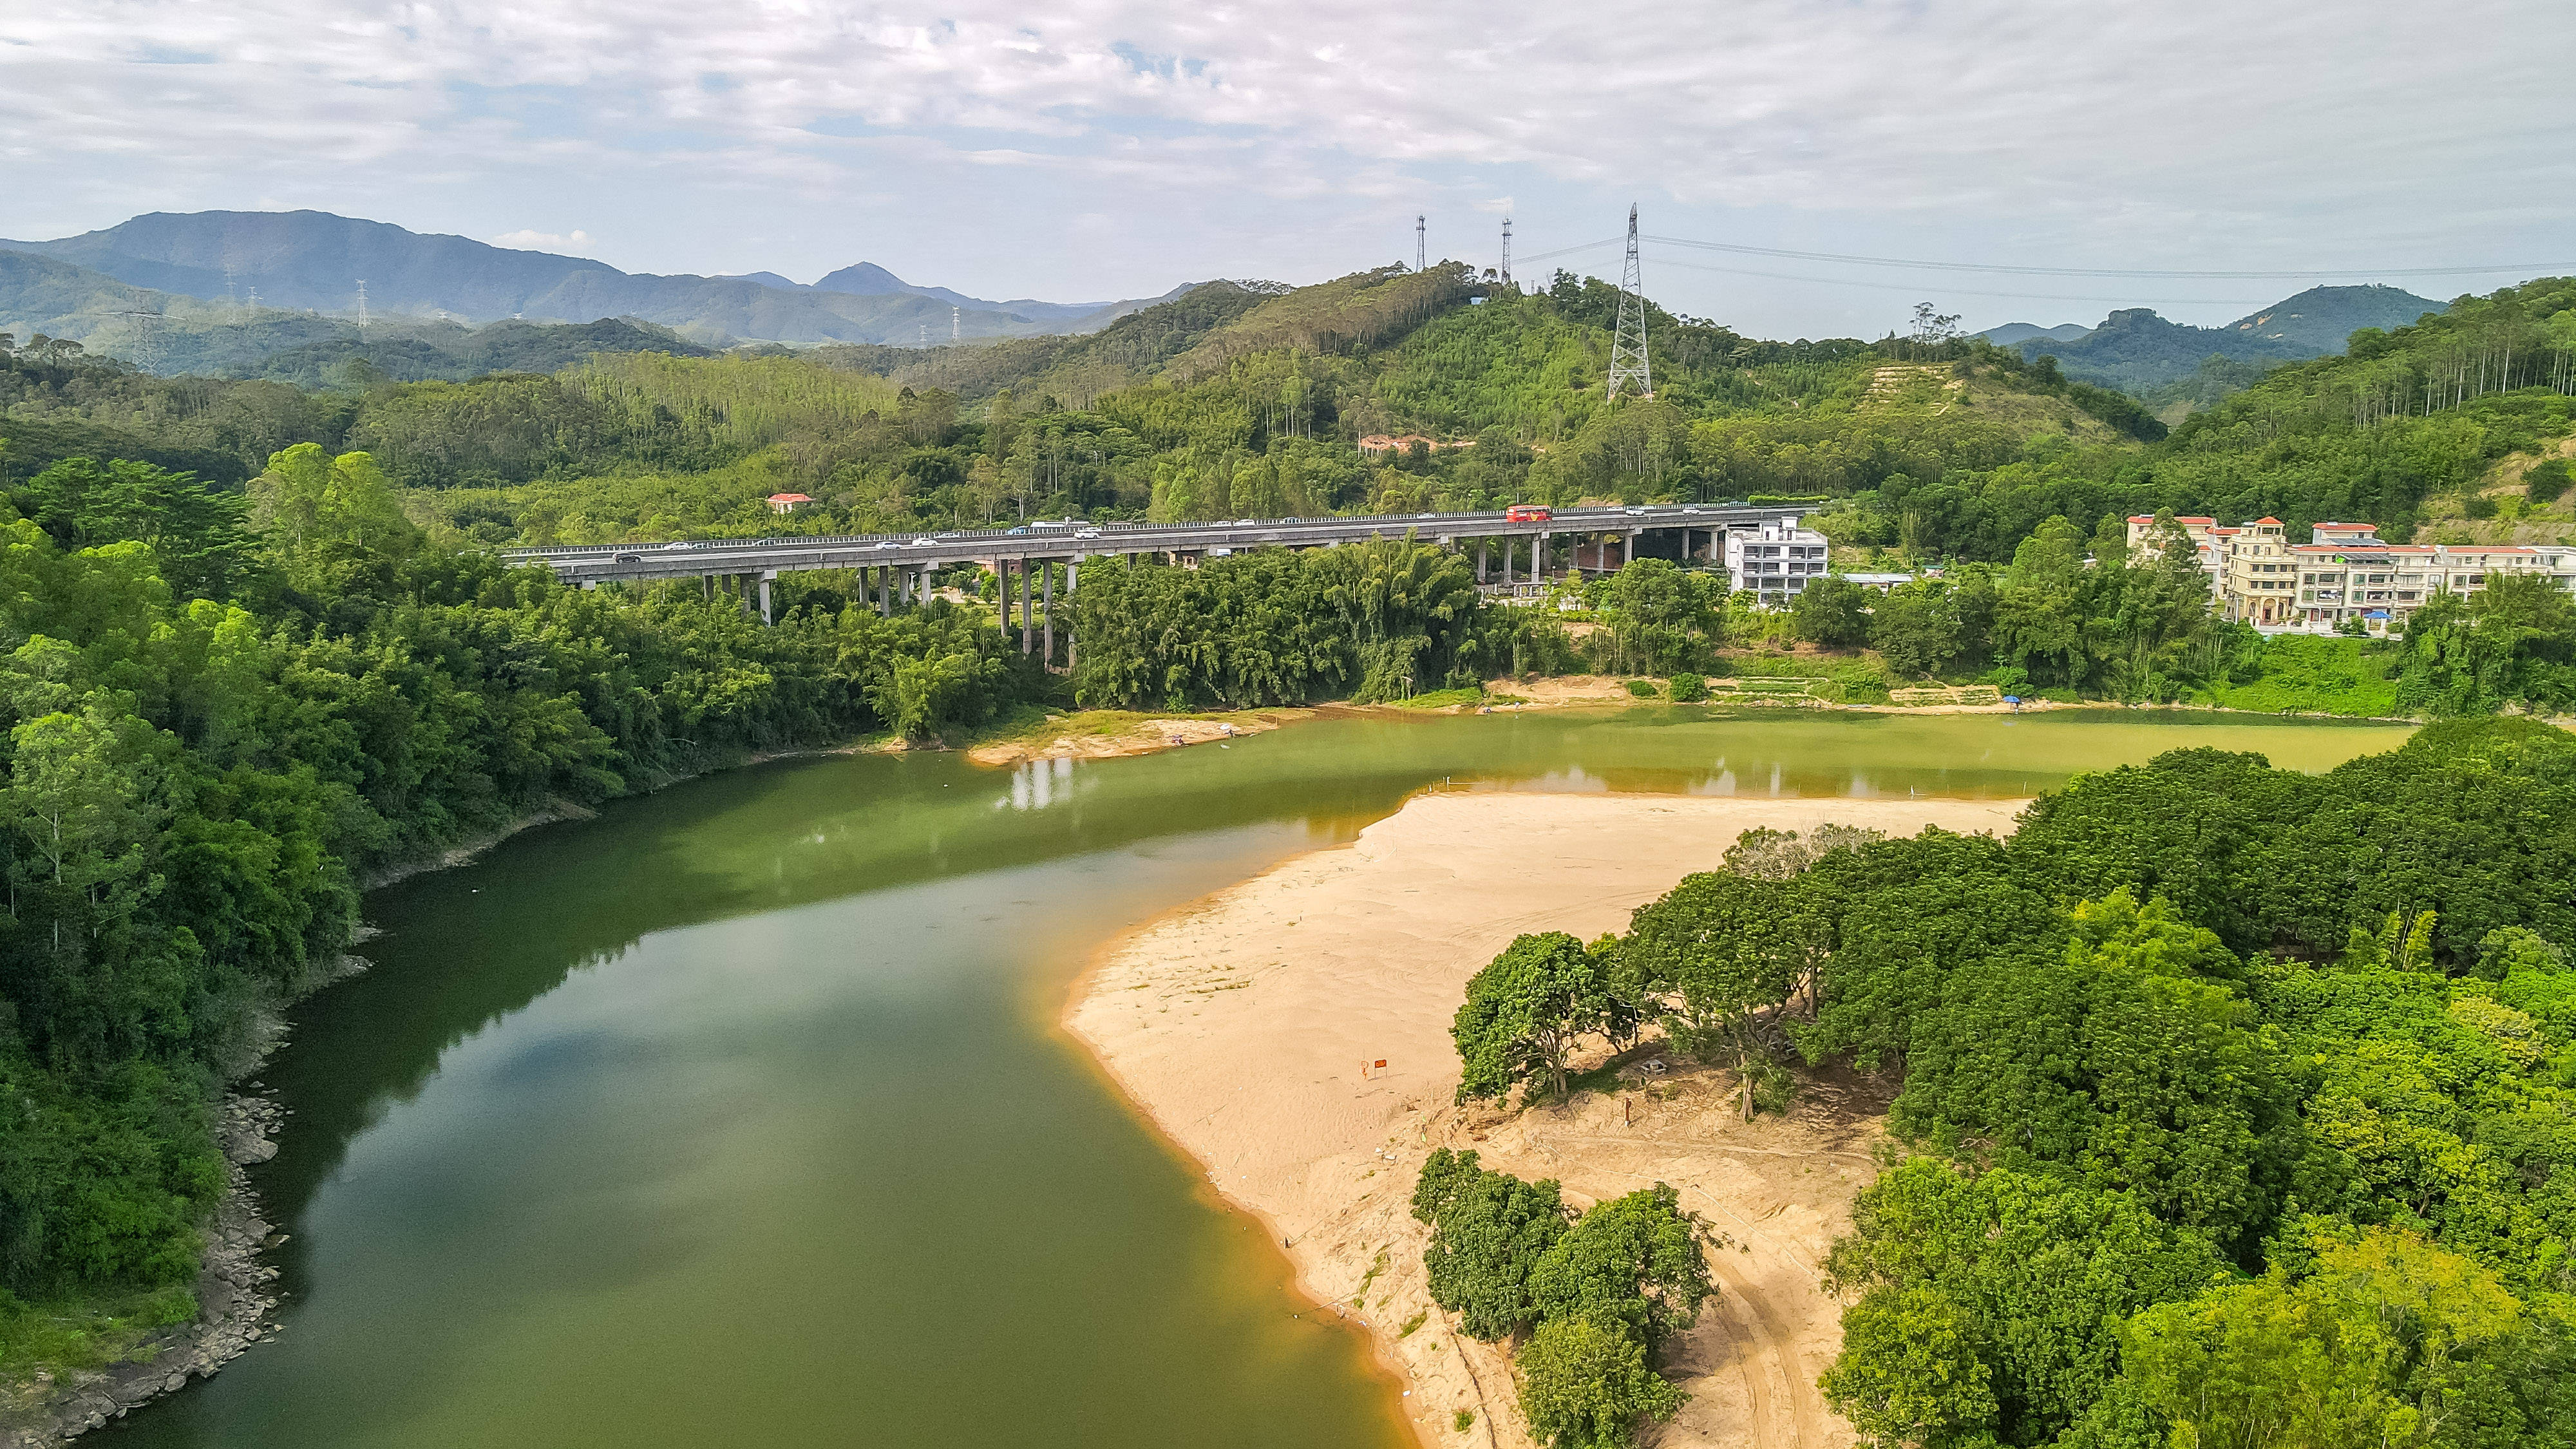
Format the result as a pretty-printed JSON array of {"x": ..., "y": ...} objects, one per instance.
[{"x": 1527, "y": 513}]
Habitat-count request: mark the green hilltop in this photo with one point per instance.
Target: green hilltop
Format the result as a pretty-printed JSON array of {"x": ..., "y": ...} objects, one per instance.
[{"x": 1248, "y": 398}]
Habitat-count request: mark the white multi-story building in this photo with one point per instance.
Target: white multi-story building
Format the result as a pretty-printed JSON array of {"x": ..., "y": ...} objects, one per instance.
[
  {"x": 1776, "y": 560},
  {"x": 2347, "y": 573},
  {"x": 2344, "y": 572}
]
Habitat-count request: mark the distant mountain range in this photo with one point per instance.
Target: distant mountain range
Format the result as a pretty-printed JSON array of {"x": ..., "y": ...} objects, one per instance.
[
  {"x": 2138, "y": 351},
  {"x": 2012, "y": 332},
  {"x": 314, "y": 261}
]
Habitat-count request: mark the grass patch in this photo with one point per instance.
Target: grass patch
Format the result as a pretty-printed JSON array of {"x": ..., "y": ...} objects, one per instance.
[
  {"x": 2310, "y": 675},
  {"x": 1462, "y": 1421},
  {"x": 1440, "y": 699},
  {"x": 1414, "y": 1323},
  {"x": 1360, "y": 1299},
  {"x": 57, "y": 1338},
  {"x": 1840, "y": 678}
]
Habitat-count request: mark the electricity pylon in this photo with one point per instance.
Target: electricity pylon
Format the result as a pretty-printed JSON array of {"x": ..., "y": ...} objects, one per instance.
[{"x": 1628, "y": 363}]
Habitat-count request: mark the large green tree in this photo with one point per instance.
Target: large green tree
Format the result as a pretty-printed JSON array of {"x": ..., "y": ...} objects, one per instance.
[{"x": 1525, "y": 1011}]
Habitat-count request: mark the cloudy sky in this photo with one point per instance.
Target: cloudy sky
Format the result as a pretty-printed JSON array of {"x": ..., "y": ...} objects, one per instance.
[{"x": 1088, "y": 149}]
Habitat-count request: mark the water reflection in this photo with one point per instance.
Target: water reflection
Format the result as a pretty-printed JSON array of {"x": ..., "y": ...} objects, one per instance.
[{"x": 1039, "y": 783}]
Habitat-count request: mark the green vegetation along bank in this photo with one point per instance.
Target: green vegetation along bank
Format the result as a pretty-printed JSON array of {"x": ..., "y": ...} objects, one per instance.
[
  {"x": 224, "y": 711},
  {"x": 2239, "y": 1105}
]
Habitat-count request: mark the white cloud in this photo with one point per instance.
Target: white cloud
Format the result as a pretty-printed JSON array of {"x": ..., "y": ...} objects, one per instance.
[
  {"x": 2182, "y": 133},
  {"x": 576, "y": 243}
]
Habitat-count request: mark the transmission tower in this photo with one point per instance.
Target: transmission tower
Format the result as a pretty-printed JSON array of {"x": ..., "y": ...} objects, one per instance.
[
  {"x": 1628, "y": 364},
  {"x": 147, "y": 338},
  {"x": 953, "y": 335},
  {"x": 1421, "y": 251},
  {"x": 1507, "y": 251},
  {"x": 362, "y": 308},
  {"x": 232, "y": 300}
]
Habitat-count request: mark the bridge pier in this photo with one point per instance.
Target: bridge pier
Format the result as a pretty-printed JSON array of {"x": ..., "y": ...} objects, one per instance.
[
  {"x": 767, "y": 578},
  {"x": 1538, "y": 558},
  {"x": 1046, "y": 615},
  {"x": 1480, "y": 560},
  {"x": 884, "y": 588},
  {"x": 1024, "y": 606}
]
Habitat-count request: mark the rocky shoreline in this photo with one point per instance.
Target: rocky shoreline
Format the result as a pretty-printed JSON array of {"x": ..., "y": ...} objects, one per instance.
[{"x": 235, "y": 1296}]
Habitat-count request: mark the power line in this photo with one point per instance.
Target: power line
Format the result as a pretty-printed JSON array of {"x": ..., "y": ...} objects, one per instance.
[
  {"x": 2526, "y": 268},
  {"x": 1607, "y": 241},
  {"x": 1947, "y": 291}
]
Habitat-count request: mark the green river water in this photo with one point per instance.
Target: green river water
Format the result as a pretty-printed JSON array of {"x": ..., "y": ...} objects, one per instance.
[{"x": 738, "y": 1116}]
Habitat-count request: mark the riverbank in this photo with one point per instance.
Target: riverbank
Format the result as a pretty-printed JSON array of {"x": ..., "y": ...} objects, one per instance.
[
  {"x": 60, "y": 1402},
  {"x": 1290, "y": 1035}
]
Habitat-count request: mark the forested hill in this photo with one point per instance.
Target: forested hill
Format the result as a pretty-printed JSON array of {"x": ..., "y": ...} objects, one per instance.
[
  {"x": 2138, "y": 351},
  {"x": 1251, "y": 398},
  {"x": 1234, "y": 399},
  {"x": 2411, "y": 426}
]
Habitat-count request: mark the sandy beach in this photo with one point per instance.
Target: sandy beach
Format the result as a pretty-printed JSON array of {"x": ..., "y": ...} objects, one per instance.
[{"x": 1250, "y": 1026}]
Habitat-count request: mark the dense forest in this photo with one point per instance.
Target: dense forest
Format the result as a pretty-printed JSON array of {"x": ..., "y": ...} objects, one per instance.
[
  {"x": 1249, "y": 399},
  {"x": 2239, "y": 1107},
  {"x": 225, "y": 710}
]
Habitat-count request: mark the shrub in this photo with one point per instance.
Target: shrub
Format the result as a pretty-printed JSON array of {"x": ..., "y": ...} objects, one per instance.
[
  {"x": 2546, "y": 482},
  {"x": 1688, "y": 688},
  {"x": 1642, "y": 688}
]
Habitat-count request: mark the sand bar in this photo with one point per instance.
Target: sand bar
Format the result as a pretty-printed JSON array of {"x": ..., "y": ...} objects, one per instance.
[{"x": 1249, "y": 1024}]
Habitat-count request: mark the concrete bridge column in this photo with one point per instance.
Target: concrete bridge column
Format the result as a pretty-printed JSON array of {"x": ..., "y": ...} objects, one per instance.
[
  {"x": 1480, "y": 560},
  {"x": 1538, "y": 558},
  {"x": 1628, "y": 547},
  {"x": 1046, "y": 615},
  {"x": 876, "y": 577},
  {"x": 767, "y": 578},
  {"x": 1024, "y": 606},
  {"x": 1002, "y": 592}
]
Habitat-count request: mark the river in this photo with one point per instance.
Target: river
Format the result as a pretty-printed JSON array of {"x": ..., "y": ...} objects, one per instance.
[{"x": 738, "y": 1115}]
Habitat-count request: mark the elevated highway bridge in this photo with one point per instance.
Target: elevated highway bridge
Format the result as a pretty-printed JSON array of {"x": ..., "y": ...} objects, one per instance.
[{"x": 896, "y": 568}]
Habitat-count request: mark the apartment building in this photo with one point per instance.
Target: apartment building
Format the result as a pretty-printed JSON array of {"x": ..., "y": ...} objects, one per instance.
[
  {"x": 1776, "y": 560},
  {"x": 2207, "y": 539},
  {"x": 2348, "y": 573},
  {"x": 2344, "y": 572}
]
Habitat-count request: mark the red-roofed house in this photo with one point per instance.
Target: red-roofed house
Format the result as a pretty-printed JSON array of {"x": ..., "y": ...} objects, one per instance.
[{"x": 787, "y": 502}]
